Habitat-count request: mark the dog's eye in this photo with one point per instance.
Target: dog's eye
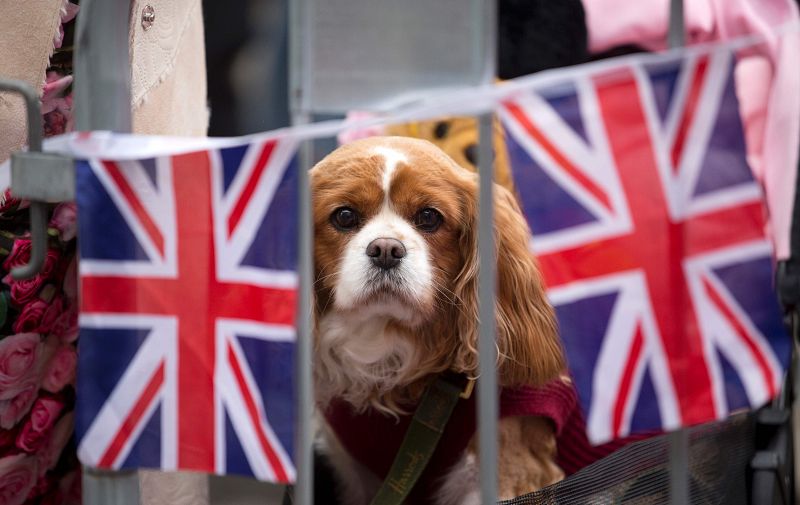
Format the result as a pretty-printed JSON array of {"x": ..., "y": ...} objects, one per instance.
[
  {"x": 428, "y": 219},
  {"x": 345, "y": 218}
]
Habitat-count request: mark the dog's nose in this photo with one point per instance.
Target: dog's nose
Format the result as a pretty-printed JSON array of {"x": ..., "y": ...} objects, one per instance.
[{"x": 386, "y": 252}]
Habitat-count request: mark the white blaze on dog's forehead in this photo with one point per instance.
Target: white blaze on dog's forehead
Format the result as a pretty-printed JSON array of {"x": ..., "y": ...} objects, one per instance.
[{"x": 392, "y": 157}]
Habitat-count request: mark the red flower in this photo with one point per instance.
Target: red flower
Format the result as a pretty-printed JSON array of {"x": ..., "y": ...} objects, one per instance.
[
  {"x": 30, "y": 319},
  {"x": 61, "y": 369},
  {"x": 50, "y": 263},
  {"x": 11, "y": 411},
  {"x": 65, "y": 220},
  {"x": 66, "y": 326},
  {"x": 43, "y": 416},
  {"x": 20, "y": 254},
  {"x": 25, "y": 290},
  {"x": 20, "y": 357},
  {"x": 17, "y": 477}
]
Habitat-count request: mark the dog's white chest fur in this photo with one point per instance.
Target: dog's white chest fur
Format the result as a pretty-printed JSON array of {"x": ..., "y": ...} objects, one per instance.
[{"x": 357, "y": 352}]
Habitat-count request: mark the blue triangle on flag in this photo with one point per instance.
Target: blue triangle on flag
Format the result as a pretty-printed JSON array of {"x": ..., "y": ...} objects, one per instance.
[
  {"x": 231, "y": 161},
  {"x": 663, "y": 79},
  {"x": 275, "y": 242},
  {"x": 750, "y": 283},
  {"x": 567, "y": 105},
  {"x": 646, "y": 414},
  {"x": 107, "y": 235},
  {"x": 149, "y": 166},
  {"x": 583, "y": 324},
  {"x": 725, "y": 162},
  {"x": 106, "y": 354},
  {"x": 734, "y": 388},
  {"x": 272, "y": 367},
  {"x": 146, "y": 451},
  {"x": 547, "y": 207},
  {"x": 235, "y": 458}
]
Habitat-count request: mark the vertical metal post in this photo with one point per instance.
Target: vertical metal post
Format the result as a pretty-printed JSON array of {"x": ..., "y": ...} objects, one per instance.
[
  {"x": 304, "y": 453},
  {"x": 676, "y": 37},
  {"x": 488, "y": 404},
  {"x": 102, "y": 102},
  {"x": 678, "y": 440}
]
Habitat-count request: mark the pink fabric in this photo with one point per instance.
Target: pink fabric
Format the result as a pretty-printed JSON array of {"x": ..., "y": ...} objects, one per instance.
[{"x": 768, "y": 78}]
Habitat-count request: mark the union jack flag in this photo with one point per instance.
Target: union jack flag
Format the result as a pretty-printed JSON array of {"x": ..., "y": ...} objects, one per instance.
[
  {"x": 188, "y": 291},
  {"x": 650, "y": 232}
]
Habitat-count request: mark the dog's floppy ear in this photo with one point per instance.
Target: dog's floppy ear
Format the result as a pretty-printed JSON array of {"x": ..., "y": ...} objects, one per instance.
[{"x": 529, "y": 350}]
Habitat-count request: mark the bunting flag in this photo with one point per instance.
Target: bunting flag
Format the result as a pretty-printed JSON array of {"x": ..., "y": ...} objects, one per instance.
[
  {"x": 650, "y": 231},
  {"x": 188, "y": 292}
]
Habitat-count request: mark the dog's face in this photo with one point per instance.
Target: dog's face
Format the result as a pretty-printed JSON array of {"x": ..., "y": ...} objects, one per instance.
[{"x": 396, "y": 265}]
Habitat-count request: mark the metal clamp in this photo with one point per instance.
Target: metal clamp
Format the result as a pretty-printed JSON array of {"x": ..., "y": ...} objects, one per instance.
[{"x": 40, "y": 165}]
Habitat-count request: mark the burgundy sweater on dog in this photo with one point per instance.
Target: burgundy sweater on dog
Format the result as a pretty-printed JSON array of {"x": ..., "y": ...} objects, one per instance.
[{"x": 373, "y": 438}]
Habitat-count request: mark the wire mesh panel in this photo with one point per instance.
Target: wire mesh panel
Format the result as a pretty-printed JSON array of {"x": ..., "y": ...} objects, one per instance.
[
  {"x": 372, "y": 54},
  {"x": 638, "y": 474}
]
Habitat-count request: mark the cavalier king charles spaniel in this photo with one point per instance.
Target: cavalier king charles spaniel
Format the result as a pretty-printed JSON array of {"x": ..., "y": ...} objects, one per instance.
[{"x": 396, "y": 304}]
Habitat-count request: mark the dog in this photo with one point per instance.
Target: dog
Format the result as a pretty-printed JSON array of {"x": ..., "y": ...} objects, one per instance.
[{"x": 396, "y": 269}]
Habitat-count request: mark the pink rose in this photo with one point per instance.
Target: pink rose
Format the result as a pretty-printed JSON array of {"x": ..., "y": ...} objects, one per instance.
[
  {"x": 11, "y": 411},
  {"x": 25, "y": 290},
  {"x": 17, "y": 478},
  {"x": 43, "y": 416},
  {"x": 50, "y": 316},
  {"x": 20, "y": 254},
  {"x": 60, "y": 435},
  {"x": 30, "y": 319},
  {"x": 61, "y": 369},
  {"x": 50, "y": 263},
  {"x": 66, "y": 326},
  {"x": 65, "y": 220},
  {"x": 19, "y": 355}
]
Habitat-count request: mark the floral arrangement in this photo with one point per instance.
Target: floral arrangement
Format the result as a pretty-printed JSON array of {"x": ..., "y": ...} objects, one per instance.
[
  {"x": 39, "y": 325},
  {"x": 38, "y": 356}
]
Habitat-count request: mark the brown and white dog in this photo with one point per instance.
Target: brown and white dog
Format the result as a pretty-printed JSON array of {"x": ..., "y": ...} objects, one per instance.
[{"x": 396, "y": 303}]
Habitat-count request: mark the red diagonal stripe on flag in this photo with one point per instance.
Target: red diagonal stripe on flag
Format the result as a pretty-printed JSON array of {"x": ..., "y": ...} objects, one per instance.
[
  {"x": 557, "y": 156},
  {"x": 136, "y": 205},
  {"x": 133, "y": 419},
  {"x": 689, "y": 109},
  {"x": 250, "y": 187},
  {"x": 255, "y": 418},
  {"x": 627, "y": 381},
  {"x": 744, "y": 336}
]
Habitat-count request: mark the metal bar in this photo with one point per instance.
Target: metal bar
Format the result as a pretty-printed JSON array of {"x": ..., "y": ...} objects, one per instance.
[
  {"x": 38, "y": 213},
  {"x": 102, "y": 102},
  {"x": 110, "y": 488},
  {"x": 488, "y": 403},
  {"x": 304, "y": 486},
  {"x": 300, "y": 71},
  {"x": 676, "y": 36},
  {"x": 38, "y": 210},
  {"x": 102, "y": 67},
  {"x": 679, "y": 467},
  {"x": 487, "y": 367},
  {"x": 678, "y": 440}
]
